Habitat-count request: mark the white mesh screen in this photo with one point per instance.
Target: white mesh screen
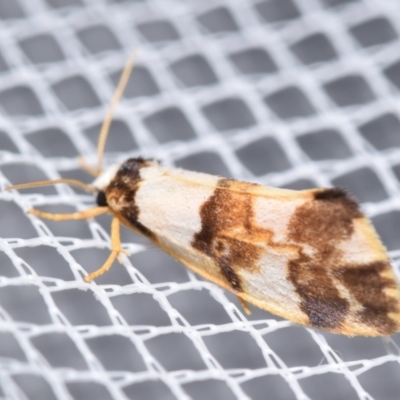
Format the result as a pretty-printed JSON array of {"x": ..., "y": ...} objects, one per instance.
[{"x": 290, "y": 93}]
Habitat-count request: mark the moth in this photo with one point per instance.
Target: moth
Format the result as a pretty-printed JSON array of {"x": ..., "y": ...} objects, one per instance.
[{"x": 309, "y": 256}]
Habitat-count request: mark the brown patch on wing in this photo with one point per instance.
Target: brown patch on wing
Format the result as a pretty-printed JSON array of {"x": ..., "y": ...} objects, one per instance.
[
  {"x": 325, "y": 221},
  {"x": 320, "y": 299},
  {"x": 321, "y": 225},
  {"x": 340, "y": 196},
  {"x": 367, "y": 284},
  {"x": 121, "y": 192},
  {"x": 228, "y": 233}
]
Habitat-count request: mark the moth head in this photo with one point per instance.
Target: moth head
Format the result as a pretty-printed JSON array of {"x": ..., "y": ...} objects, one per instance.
[{"x": 130, "y": 171}]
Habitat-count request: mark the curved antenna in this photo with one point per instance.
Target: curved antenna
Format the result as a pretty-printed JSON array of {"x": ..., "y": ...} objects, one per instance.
[
  {"x": 123, "y": 80},
  {"x": 74, "y": 182}
]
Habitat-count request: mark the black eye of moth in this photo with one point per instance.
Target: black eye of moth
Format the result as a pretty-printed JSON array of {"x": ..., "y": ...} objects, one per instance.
[{"x": 101, "y": 199}]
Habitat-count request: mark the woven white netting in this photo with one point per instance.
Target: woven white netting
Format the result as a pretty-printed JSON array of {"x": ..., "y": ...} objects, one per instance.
[{"x": 291, "y": 93}]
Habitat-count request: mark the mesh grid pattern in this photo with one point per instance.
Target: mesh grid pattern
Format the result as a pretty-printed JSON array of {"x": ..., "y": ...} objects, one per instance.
[{"x": 288, "y": 93}]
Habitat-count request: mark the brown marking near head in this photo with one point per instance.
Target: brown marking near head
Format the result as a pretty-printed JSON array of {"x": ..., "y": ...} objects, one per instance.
[
  {"x": 367, "y": 285},
  {"x": 121, "y": 192},
  {"x": 228, "y": 233},
  {"x": 322, "y": 224}
]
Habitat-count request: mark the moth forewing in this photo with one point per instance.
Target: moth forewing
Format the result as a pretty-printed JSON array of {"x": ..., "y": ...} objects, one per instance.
[{"x": 309, "y": 256}]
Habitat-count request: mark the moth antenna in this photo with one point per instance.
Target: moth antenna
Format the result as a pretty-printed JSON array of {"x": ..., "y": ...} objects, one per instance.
[
  {"x": 123, "y": 80},
  {"x": 74, "y": 182}
]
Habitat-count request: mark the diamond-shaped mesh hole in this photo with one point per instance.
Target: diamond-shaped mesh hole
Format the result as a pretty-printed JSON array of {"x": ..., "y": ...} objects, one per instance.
[
  {"x": 290, "y": 102},
  {"x": 42, "y": 49},
  {"x": 218, "y": 20},
  {"x": 206, "y": 161},
  {"x": 158, "y": 31},
  {"x": 76, "y": 93},
  {"x": 198, "y": 307},
  {"x": 326, "y": 144},
  {"x": 88, "y": 390},
  {"x": 387, "y": 226},
  {"x": 169, "y": 124},
  {"x": 98, "y": 39},
  {"x": 25, "y": 304},
  {"x": 337, "y": 3},
  {"x": 254, "y": 61},
  {"x": 396, "y": 170},
  {"x": 119, "y": 129},
  {"x": 141, "y": 309},
  {"x": 329, "y": 386},
  {"x": 356, "y": 348},
  {"x": 81, "y": 307},
  {"x": 141, "y": 83},
  {"x": 64, "y": 3},
  {"x": 350, "y": 90},
  {"x": 52, "y": 142},
  {"x": 6, "y": 143},
  {"x": 295, "y": 347},
  {"x": 20, "y": 101},
  {"x": 159, "y": 267},
  {"x": 35, "y": 386},
  {"x": 314, "y": 49},
  {"x": 362, "y": 183},
  {"x": 382, "y": 380},
  {"x": 149, "y": 390},
  {"x": 263, "y": 156},
  {"x": 382, "y": 132},
  {"x": 393, "y": 73},
  {"x": 11, "y": 10},
  {"x": 300, "y": 184},
  {"x": 194, "y": 71},
  {"x": 46, "y": 261},
  {"x": 229, "y": 114},
  {"x": 60, "y": 351},
  {"x": 205, "y": 390},
  {"x": 7, "y": 268},
  {"x": 374, "y": 32},
  {"x": 256, "y": 388},
  {"x": 10, "y": 347},
  {"x": 167, "y": 349},
  {"x": 14, "y": 222},
  {"x": 3, "y": 64},
  {"x": 235, "y": 350},
  {"x": 116, "y": 353},
  {"x": 277, "y": 10}
]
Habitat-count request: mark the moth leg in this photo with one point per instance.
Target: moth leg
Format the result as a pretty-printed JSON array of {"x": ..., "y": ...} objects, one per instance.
[
  {"x": 245, "y": 306},
  {"x": 116, "y": 251},
  {"x": 90, "y": 213}
]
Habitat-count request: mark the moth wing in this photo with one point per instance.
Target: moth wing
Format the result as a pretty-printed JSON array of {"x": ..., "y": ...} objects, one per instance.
[{"x": 310, "y": 256}]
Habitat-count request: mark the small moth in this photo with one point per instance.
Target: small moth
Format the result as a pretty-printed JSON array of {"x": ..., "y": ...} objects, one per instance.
[{"x": 309, "y": 256}]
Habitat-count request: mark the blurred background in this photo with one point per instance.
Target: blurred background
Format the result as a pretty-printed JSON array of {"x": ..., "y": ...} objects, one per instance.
[{"x": 289, "y": 93}]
